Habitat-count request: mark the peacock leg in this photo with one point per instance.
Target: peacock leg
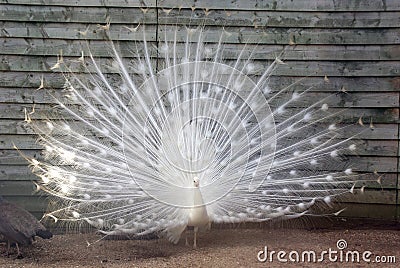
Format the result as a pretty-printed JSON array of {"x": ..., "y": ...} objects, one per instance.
[
  {"x": 186, "y": 238},
  {"x": 195, "y": 236},
  {"x": 19, "y": 256},
  {"x": 8, "y": 248}
]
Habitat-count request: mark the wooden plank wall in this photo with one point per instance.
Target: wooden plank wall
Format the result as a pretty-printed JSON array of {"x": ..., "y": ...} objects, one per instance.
[{"x": 355, "y": 43}]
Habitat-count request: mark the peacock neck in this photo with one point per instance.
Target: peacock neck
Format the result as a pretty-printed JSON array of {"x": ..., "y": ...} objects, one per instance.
[{"x": 197, "y": 197}]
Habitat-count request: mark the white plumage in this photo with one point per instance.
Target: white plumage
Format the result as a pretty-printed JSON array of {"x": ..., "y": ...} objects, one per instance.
[{"x": 203, "y": 140}]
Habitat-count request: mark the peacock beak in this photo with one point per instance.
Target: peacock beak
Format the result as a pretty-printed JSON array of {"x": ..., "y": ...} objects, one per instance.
[{"x": 196, "y": 182}]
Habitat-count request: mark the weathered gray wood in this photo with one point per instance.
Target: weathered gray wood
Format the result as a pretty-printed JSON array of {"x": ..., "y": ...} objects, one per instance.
[
  {"x": 16, "y": 111},
  {"x": 280, "y": 36},
  {"x": 42, "y": 63},
  {"x": 100, "y": 15},
  {"x": 291, "y": 68},
  {"x": 374, "y": 211},
  {"x": 265, "y": 18},
  {"x": 74, "y": 48},
  {"x": 378, "y": 181},
  {"x": 29, "y": 95},
  {"x": 370, "y": 99},
  {"x": 16, "y": 173},
  {"x": 74, "y": 31},
  {"x": 36, "y": 204},
  {"x": 329, "y": 68},
  {"x": 281, "y": 5},
  {"x": 297, "y": 35},
  {"x": 84, "y": 3},
  {"x": 381, "y": 131},
  {"x": 17, "y": 188},
  {"x": 52, "y": 47},
  {"x": 371, "y": 196},
  {"x": 299, "y": 5},
  {"x": 388, "y": 115},
  {"x": 13, "y": 157},
  {"x": 336, "y": 84},
  {"x": 398, "y": 171},
  {"x": 305, "y": 52},
  {"x": 379, "y": 115},
  {"x": 380, "y": 164},
  {"x": 351, "y": 99},
  {"x": 377, "y": 147}
]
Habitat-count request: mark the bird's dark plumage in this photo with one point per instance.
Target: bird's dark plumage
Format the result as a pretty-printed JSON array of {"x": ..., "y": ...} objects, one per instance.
[{"x": 19, "y": 226}]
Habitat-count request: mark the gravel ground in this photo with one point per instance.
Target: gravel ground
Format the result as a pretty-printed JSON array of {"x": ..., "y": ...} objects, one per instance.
[{"x": 219, "y": 247}]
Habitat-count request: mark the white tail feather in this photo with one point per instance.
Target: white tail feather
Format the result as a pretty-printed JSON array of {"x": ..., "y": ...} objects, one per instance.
[{"x": 124, "y": 157}]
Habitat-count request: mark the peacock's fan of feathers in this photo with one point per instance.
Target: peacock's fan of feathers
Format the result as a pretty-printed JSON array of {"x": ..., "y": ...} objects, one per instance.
[{"x": 129, "y": 135}]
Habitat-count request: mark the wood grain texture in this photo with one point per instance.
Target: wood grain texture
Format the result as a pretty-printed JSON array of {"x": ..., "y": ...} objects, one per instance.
[
  {"x": 84, "y": 3},
  {"x": 281, "y": 5},
  {"x": 291, "y": 68},
  {"x": 283, "y": 36},
  {"x": 345, "y": 100},
  {"x": 236, "y": 35},
  {"x": 355, "y": 43},
  {"x": 265, "y": 18},
  {"x": 285, "y": 5},
  {"x": 398, "y": 164},
  {"x": 374, "y": 211},
  {"x": 99, "y": 15},
  {"x": 33, "y": 203},
  {"x": 73, "y": 31},
  {"x": 73, "y": 48},
  {"x": 52, "y": 80}
]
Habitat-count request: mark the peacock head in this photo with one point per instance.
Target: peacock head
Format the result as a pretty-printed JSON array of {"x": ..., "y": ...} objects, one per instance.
[{"x": 196, "y": 182}]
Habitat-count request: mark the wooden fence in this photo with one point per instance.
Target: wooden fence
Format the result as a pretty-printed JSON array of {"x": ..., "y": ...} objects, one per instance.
[{"x": 354, "y": 43}]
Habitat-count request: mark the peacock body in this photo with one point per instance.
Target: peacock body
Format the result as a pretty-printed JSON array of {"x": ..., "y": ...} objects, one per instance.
[
  {"x": 19, "y": 226},
  {"x": 133, "y": 150}
]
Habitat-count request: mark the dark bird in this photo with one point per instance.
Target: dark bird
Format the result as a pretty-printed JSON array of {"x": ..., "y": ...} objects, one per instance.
[{"x": 18, "y": 226}]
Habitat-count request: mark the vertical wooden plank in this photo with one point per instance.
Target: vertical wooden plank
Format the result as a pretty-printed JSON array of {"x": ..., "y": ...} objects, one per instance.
[
  {"x": 398, "y": 169},
  {"x": 396, "y": 82}
]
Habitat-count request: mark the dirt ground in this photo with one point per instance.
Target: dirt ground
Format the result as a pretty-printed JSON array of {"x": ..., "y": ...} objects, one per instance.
[{"x": 219, "y": 247}]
